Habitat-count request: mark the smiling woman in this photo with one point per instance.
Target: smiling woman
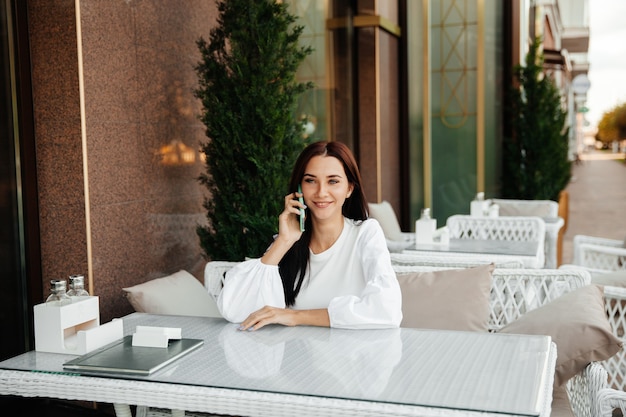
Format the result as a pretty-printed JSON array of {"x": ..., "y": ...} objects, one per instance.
[{"x": 337, "y": 272}]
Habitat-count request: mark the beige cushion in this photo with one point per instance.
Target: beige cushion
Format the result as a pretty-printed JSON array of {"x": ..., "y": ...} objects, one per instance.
[
  {"x": 177, "y": 294},
  {"x": 540, "y": 208},
  {"x": 578, "y": 324},
  {"x": 384, "y": 214},
  {"x": 613, "y": 279},
  {"x": 454, "y": 299}
]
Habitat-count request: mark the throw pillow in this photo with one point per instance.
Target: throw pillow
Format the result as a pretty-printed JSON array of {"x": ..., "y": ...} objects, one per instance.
[
  {"x": 177, "y": 294},
  {"x": 384, "y": 214},
  {"x": 613, "y": 279},
  {"x": 578, "y": 324},
  {"x": 510, "y": 208},
  {"x": 453, "y": 299}
]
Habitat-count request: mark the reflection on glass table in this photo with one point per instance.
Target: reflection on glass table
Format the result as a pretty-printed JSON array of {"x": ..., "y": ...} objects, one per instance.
[{"x": 312, "y": 371}]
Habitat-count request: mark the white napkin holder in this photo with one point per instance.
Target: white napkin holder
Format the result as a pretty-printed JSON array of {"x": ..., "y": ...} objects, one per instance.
[
  {"x": 73, "y": 328},
  {"x": 441, "y": 236},
  {"x": 158, "y": 337}
]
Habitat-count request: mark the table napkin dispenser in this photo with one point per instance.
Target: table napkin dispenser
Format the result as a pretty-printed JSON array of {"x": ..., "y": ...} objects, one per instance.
[{"x": 73, "y": 328}]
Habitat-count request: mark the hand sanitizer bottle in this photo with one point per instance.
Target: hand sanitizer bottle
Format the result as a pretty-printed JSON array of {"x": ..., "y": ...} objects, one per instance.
[
  {"x": 478, "y": 205},
  {"x": 425, "y": 226}
]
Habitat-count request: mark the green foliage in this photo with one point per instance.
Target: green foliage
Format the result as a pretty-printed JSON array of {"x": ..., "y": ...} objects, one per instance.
[
  {"x": 612, "y": 126},
  {"x": 249, "y": 94},
  {"x": 535, "y": 158}
]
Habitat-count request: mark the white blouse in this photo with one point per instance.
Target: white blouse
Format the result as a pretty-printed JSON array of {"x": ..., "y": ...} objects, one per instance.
[{"x": 353, "y": 279}]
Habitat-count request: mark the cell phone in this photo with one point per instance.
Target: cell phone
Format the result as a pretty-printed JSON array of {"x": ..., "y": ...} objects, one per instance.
[{"x": 301, "y": 200}]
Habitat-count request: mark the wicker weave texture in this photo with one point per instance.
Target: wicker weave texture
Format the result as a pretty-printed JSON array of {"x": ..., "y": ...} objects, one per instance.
[
  {"x": 218, "y": 400},
  {"x": 214, "y": 272},
  {"x": 546, "y": 209},
  {"x": 513, "y": 228},
  {"x": 508, "y": 228},
  {"x": 599, "y": 255}
]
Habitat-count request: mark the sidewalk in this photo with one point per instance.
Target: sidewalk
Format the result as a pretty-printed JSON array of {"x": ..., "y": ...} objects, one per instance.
[{"x": 597, "y": 199}]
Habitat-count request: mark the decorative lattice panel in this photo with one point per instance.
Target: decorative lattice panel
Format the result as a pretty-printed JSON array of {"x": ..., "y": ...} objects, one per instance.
[{"x": 496, "y": 228}]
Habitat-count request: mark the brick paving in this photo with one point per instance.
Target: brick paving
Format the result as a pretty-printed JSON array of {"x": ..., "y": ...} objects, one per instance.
[{"x": 597, "y": 199}]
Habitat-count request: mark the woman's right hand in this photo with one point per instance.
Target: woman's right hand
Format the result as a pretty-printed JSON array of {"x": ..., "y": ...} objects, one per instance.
[
  {"x": 288, "y": 230},
  {"x": 289, "y": 219}
]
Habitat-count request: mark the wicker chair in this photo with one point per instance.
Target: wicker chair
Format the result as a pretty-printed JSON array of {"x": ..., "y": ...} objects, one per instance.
[
  {"x": 513, "y": 228},
  {"x": 614, "y": 396},
  {"x": 214, "y": 272},
  {"x": 548, "y": 210},
  {"x": 599, "y": 255}
]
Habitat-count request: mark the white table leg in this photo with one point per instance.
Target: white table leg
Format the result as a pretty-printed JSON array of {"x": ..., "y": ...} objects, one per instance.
[{"x": 122, "y": 410}]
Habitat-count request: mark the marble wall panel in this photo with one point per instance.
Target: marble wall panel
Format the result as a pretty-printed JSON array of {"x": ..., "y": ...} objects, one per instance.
[
  {"x": 56, "y": 106},
  {"x": 138, "y": 60}
]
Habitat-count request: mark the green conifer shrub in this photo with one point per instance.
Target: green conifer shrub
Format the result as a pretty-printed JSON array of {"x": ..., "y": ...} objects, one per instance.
[
  {"x": 249, "y": 95},
  {"x": 535, "y": 157}
]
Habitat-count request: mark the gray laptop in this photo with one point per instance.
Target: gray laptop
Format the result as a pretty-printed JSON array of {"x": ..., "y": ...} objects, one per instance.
[{"x": 122, "y": 357}]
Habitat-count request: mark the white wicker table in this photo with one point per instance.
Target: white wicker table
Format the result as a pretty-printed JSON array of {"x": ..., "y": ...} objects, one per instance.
[
  {"x": 310, "y": 371},
  {"x": 527, "y": 252}
]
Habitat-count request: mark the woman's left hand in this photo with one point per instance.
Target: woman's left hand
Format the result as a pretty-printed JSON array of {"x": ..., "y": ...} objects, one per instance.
[{"x": 269, "y": 315}]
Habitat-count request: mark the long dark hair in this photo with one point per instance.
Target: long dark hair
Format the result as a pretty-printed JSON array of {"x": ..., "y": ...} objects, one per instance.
[{"x": 295, "y": 262}]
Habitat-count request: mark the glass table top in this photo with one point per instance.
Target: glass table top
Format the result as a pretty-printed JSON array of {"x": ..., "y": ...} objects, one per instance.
[{"x": 462, "y": 370}]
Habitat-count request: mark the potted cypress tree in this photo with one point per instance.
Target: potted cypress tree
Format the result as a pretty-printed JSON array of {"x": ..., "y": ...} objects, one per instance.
[
  {"x": 535, "y": 156},
  {"x": 249, "y": 95}
]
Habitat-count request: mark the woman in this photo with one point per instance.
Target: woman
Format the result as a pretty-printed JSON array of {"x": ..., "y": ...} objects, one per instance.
[{"x": 336, "y": 273}]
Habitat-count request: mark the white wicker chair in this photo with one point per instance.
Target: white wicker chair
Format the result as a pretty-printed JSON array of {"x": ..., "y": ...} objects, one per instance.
[
  {"x": 214, "y": 276},
  {"x": 548, "y": 210},
  {"x": 427, "y": 259},
  {"x": 599, "y": 255},
  {"x": 513, "y": 228},
  {"x": 614, "y": 396}
]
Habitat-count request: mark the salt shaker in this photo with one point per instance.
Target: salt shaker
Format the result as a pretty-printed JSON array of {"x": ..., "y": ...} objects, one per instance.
[
  {"x": 58, "y": 295},
  {"x": 77, "y": 286}
]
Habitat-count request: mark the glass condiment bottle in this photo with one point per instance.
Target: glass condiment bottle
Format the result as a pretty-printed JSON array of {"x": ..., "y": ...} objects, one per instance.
[
  {"x": 58, "y": 295},
  {"x": 77, "y": 286}
]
